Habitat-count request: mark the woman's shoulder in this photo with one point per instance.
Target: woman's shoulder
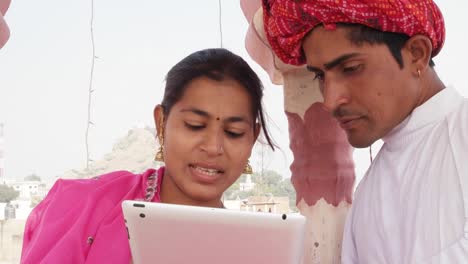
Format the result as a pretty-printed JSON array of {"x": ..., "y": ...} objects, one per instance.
[
  {"x": 101, "y": 192},
  {"x": 116, "y": 181},
  {"x": 109, "y": 177},
  {"x": 79, "y": 205}
]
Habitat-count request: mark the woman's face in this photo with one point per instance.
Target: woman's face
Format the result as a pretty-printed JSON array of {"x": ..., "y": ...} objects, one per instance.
[{"x": 208, "y": 137}]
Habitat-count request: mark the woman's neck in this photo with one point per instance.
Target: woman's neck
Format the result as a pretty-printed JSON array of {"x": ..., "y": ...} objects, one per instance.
[{"x": 172, "y": 194}]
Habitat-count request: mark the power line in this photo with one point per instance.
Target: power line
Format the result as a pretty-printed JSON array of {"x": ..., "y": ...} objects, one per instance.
[
  {"x": 220, "y": 24},
  {"x": 90, "y": 89}
]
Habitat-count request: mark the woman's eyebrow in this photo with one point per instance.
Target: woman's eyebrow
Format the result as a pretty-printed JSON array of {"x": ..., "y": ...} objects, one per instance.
[
  {"x": 196, "y": 111},
  {"x": 231, "y": 119}
]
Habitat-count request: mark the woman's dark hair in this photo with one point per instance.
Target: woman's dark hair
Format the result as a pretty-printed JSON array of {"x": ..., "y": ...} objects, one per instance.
[
  {"x": 215, "y": 64},
  {"x": 359, "y": 34}
]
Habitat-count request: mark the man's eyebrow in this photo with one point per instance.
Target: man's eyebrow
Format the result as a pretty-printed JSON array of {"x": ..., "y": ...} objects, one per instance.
[
  {"x": 313, "y": 69},
  {"x": 332, "y": 64}
]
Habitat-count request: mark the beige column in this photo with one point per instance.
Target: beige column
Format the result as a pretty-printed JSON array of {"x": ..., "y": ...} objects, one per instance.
[
  {"x": 322, "y": 169},
  {"x": 4, "y": 31}
]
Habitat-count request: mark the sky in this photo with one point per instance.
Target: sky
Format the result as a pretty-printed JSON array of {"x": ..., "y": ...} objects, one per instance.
[{"x": 45, "y": 74}]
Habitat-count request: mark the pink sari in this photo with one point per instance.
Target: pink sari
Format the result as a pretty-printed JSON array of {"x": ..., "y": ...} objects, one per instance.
[{"x": 81, "y": 221}]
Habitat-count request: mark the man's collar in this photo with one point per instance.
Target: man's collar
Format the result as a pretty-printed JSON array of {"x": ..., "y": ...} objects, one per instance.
[{"x": 433, "y": 110}]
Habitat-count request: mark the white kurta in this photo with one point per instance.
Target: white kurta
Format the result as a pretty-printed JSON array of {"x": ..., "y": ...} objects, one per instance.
[{"x": 412, "y": 205}]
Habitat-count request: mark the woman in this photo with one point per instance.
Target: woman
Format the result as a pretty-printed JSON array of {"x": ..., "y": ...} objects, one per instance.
[{"x": 207, "y": 124}]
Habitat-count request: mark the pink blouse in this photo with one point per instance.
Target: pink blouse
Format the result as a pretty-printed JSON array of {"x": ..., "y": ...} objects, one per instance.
[{"x": 81, "y": 221}]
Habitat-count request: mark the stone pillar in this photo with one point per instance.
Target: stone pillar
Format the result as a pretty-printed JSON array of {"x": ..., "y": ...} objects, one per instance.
[
  {"x": 2, "y": 156},
  {"x": 4, "y": 31},
  {"x": 323, "y": 169}
]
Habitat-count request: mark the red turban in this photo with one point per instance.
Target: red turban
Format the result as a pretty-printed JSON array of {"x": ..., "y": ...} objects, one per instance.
[{"x": 287, "y": 22}]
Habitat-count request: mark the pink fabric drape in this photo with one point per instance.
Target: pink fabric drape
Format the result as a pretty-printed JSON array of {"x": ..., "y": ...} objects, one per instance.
[
  {"x": 81, "y": 221},
  {"x": 323, "y": 165},
  {"x": 4, "y": 31}
]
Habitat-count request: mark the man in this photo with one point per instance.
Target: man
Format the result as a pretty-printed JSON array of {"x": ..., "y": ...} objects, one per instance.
[{"x": 373, "y": 60}]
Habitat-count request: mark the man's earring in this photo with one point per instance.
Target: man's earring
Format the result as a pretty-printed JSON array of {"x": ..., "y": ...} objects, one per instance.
[{"x": 248, "y": 168}]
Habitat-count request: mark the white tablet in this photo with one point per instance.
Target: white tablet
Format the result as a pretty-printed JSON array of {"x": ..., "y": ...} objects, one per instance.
[{"x": 176, "y": 234}]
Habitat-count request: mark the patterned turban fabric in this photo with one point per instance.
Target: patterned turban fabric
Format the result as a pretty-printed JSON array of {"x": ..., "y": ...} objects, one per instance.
[{"x": 287, "y": 22}]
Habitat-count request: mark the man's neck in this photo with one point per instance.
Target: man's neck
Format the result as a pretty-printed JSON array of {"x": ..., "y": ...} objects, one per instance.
[{"x": 430, "y": 86}]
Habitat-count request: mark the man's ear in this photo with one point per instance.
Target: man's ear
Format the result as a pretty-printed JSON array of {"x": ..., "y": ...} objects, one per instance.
[
  {"x": 158, "y": 114},
  {"x": 418, "y": 53}
]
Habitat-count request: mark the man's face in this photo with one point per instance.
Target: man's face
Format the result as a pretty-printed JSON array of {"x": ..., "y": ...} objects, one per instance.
[{"x": 362, "y": 85}]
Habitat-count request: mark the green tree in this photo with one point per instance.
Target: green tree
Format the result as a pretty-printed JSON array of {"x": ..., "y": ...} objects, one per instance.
[
  {"x": 268, "y": 182},
  {"x": 272, "y": 182},
  {"x": 32, "y": 177},
  {"x": 285, "y": 188},
  {"x": 233, "y": 191},
  {"x": 7, "y": 194}
]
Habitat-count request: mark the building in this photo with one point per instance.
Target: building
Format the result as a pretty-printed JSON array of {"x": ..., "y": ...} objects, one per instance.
[
  {"x": 267, "y": 204},
  {"x": 247, "y": 185},
  {"x": 28, "y": 189}
]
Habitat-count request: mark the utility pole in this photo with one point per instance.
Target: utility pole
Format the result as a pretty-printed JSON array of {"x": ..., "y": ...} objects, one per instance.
[
  {"x": 2, "y": 222},
  {"x": 1, "y": 233},
  {"x": 2, "y": 157}
]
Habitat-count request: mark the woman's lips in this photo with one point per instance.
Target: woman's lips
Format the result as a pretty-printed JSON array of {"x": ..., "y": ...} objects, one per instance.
[{"x": 205, "y": 174}]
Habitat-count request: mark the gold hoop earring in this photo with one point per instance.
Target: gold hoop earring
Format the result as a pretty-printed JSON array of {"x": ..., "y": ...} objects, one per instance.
[
  {"x": 160, "y": 154},
  {"x": 248, "y": 168}
]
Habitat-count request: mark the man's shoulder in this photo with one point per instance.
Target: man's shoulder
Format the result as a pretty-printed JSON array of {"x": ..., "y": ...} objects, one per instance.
[
  {"x": 458, "y": 119},
  {"x": 364, "y": 187}
]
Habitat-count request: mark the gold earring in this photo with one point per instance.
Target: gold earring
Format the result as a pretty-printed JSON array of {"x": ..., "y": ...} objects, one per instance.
[
  {"x": 160, "y": 154},
  {"x": 248, "y": 168}
]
